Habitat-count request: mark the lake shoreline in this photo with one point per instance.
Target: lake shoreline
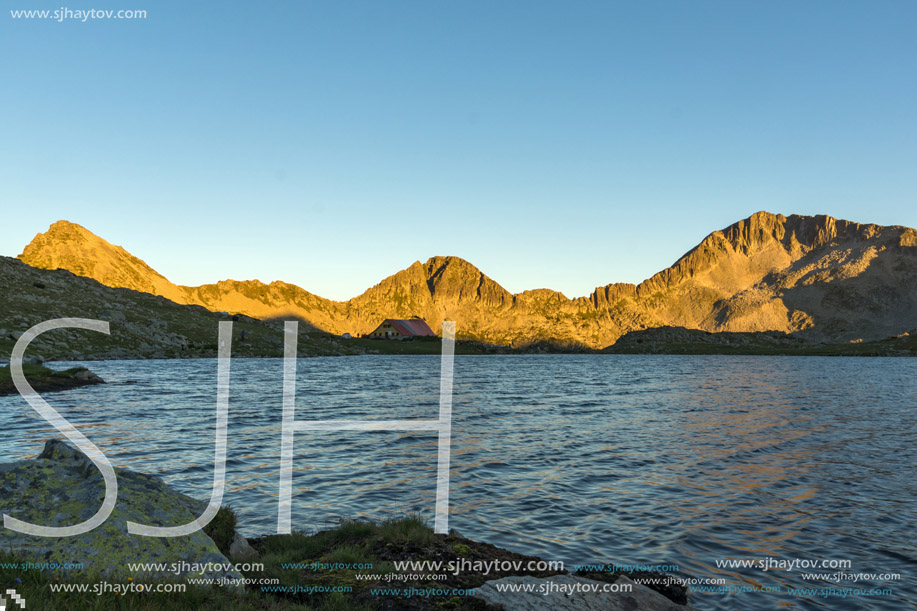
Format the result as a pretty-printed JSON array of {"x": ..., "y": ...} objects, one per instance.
[
  {"x": 43, "y": 379},
  {"x": 685, "y": 350}
]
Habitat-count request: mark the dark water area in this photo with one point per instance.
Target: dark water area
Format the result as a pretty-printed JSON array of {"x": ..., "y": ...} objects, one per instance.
[{"x": 631, "y": 459}]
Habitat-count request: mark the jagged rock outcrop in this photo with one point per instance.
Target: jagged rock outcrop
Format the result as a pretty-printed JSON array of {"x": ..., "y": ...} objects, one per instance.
[
  {"x": 61, "y": 487},
  {"x": 815, "y": 276}
]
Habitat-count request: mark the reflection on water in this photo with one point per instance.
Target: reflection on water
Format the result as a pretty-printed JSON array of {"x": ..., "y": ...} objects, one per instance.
[{"x": 586, "y": 459}]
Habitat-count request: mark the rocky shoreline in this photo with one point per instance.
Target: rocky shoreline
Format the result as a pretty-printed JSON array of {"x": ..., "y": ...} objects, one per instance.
[
  {"x": 351, "y": 566},
  {"x": 480, "y": 571},
  {"x": 678, "y": 340},
  {"x": 43, "y": 380}
]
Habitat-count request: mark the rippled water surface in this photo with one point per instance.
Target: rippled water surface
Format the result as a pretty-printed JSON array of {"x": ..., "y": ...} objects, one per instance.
[{"x": 629, "y": 459}]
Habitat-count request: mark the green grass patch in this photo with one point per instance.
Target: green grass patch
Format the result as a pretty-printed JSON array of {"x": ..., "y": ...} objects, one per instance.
[
  {"x": 222, "y": 528},
  {"x": 41, "y": 378},
  {"x": 411, "y": 529},
  {"x": 347, "y": 554}
]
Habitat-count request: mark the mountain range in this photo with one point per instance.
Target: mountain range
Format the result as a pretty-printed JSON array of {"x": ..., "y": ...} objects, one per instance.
[{"x": 815, "y": 277}]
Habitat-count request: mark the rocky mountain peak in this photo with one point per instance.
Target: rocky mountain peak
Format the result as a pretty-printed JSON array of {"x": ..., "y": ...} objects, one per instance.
[
  {"x": 59, "y": 236},
  {"x": 70, "y": 246},
  {"x": 455, "y": 279}
]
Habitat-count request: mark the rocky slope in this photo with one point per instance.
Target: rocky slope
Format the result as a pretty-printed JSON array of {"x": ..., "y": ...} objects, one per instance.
[
  {"x": 815, "y": 276},
  {"x": 142, "y": 325}
]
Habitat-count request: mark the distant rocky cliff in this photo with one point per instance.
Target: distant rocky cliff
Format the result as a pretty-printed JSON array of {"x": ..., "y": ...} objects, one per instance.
[{"x": 815, "y": 276}]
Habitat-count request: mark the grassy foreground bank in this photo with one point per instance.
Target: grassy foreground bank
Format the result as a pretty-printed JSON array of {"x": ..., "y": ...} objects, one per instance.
[{"x": 349, "y": 567}]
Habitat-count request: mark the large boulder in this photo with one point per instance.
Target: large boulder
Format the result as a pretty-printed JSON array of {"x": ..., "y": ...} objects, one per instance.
[
  {"x": 572, "y": 593},
  {"x": 61, "y": 487}
]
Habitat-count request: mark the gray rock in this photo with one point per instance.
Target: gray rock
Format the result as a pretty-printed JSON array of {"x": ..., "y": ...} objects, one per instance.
[
  {"x": 87, "y": 376},
  {"x": 572, "y": 593},
  {"x": 62, "y": 487},
  {"x": 239, "y": 549}
]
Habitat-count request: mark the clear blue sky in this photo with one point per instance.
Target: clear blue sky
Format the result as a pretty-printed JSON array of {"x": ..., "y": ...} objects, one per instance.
[{"x": 561, "y": 145}]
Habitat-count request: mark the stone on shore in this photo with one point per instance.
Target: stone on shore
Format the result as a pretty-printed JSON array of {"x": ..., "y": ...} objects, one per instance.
[
  {"x": 62, "y": 487},
  {"x": 240, "y": 549}
]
